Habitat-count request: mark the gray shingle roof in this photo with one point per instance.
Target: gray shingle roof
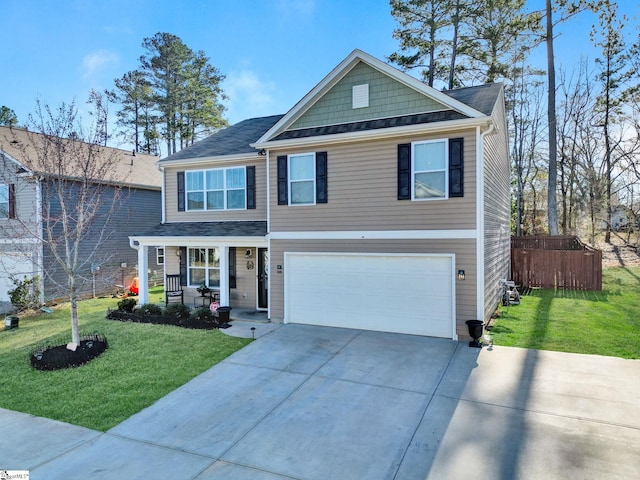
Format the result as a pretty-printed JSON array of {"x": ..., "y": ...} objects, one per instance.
[
  {"x": 232, "y": 140},
  {"x": 207, "y": 229},
  {"x": 482, "y": 97}
]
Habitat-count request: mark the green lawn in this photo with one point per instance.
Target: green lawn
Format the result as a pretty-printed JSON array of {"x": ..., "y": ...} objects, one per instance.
[
  {"x": 142, "y": 364},
  {"x": 602, "y": 323}
]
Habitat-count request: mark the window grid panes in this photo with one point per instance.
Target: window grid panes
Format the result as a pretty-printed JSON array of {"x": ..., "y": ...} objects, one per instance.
[
  {"x": 429, "y": 166},
  {"x": 302, "y": 179},
  {"x": 204, "y": 267},
  {"x": 219, "y": 189},
  {"x": 4, "y": 201}
]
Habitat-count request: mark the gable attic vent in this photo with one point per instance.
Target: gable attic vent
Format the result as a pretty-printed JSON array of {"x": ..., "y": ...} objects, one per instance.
[{"x": 360, "y": 96}]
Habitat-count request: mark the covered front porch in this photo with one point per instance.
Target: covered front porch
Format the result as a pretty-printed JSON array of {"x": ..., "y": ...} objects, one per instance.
[{"x": 231, "y": 259}]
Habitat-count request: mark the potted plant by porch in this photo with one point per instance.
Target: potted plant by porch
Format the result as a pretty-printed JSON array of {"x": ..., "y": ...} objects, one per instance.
[{"x": 203, "y": 289}]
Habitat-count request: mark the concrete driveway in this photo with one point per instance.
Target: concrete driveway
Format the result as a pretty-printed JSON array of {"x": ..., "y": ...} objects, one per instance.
[{"x": 309, "y": 402}]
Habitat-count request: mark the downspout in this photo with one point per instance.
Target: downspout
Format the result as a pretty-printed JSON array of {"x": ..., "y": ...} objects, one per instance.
[
  {"x": 480, "y": 284},
  {"x": 162, "y": 198},
  {"x": 268, "y": 234},
  {"x": 40, "y": 243}
]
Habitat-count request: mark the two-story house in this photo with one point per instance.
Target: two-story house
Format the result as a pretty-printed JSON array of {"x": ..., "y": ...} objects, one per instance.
[
  {"x": 376, "y": 202},
  {"x": 28, "y": 202}
]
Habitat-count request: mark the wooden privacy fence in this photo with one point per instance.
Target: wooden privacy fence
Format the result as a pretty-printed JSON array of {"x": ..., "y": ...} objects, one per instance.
[{"x": 555, "y": 262}]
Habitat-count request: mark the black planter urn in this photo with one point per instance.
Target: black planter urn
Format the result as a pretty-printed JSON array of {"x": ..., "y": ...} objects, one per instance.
[
  {"x": 11, "y": 321},
  {"x": 476, "y": 328}
]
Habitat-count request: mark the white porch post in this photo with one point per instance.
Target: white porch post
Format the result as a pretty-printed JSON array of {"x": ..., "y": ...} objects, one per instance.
[
  {"x": 143, "y": 274},
  {"x": 224, "y": 276}
]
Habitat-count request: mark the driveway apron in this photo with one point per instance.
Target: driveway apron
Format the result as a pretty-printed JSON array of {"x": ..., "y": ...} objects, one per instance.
[{"x": 309, "y": 402}]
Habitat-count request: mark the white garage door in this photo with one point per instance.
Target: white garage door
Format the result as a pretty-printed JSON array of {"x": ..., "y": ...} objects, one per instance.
[{"x": 411, "y": 294}]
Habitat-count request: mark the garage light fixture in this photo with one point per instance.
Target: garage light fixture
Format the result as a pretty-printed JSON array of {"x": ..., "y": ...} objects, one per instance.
[{"x": 460, "y": 274}]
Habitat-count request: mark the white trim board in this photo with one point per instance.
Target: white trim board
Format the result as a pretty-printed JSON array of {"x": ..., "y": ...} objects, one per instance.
[{"x": 377, "y": 235}]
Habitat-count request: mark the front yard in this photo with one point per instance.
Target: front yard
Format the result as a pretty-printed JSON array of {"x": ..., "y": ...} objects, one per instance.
[
  {"x": 599, "y": 323},
  {"x": 143, "y": 363}
]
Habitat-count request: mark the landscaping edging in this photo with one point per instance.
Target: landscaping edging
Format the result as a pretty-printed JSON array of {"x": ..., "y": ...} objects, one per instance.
[{"x": 59, "y": 356}]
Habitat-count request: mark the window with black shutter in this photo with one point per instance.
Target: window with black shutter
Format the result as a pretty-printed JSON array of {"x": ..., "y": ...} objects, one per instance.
[
  {"x": 283, "y": 184},
  {"x": 423, "y": 167},
  {"x": 232, "y": 267},
  {"x": 321, "y": 177}
]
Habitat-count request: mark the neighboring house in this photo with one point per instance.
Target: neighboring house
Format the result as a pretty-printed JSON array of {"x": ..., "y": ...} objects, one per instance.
[
  {"x": 376, "y": 202},
  {"x": 22, "y": 226}
]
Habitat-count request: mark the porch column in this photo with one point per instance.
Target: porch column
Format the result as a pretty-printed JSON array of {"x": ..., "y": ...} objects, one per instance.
[
  {"x": 143, "y": 274},
  {"x": 224, "y": 276}
]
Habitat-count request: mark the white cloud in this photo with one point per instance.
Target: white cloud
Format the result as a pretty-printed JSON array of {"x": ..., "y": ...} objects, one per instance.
[
  {"x": 93, "y": 62},
  {"x": 296, "y": 8},
  {"x": 249, "y": 96}
]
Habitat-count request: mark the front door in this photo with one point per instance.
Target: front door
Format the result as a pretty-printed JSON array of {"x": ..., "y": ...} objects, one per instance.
[{"x": 263, "y": 278}]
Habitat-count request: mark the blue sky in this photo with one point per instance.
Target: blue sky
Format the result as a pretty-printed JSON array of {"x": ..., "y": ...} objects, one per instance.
[{"x": 271, "y": 51}]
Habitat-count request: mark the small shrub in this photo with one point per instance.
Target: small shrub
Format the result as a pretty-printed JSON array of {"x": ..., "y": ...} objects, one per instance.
[
  {"x": 26, "y": 292},
  {"x": 177, "y": 310},
  {"x": 203, "y": 314},
  {"x": 127, "y": 304},
  {"x": 149, "y": 309}
]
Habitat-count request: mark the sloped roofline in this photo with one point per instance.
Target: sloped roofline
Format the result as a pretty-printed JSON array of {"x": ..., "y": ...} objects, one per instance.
[{"x": 345, "y": 67}]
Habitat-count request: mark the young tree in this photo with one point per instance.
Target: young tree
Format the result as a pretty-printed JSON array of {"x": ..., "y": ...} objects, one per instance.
[{"x": 79, "y": 193}]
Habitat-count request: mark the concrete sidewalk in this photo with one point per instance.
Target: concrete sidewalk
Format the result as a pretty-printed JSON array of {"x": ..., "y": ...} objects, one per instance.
[{"x": 309, "y": 402}]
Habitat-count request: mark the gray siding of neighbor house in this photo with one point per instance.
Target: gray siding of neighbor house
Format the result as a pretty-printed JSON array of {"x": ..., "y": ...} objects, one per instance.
[
  {"x": 139, "y": 210},
  {"x": 464, "y": 250},
  {"x": 171, "y": 195},
  {"x": 497, "y": 211},
  {"x": 363, "y": 191},
  {"x": 387, "y": 98}
]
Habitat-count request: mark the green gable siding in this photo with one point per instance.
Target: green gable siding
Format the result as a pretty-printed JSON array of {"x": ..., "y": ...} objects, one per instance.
[{"x": 387, "y": 98}]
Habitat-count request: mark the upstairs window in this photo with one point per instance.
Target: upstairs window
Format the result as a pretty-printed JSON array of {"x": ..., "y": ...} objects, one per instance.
[
  {"x": 429, "y": 170},
  {"x": 4, "y": 201},
  {"x": 302, "y": 179},
  {"x": 219, "y": 189},
  {"x": 7, "y": 201}
]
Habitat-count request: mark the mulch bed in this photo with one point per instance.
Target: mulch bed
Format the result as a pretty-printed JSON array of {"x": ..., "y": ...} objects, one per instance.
[
  {"x": 59, "y": 356},
  {"x": 189, "y": 322}
]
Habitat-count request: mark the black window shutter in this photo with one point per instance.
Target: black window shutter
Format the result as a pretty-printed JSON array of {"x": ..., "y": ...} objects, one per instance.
[
  {"x": 283, "y": 187},
  {"x": 456, "y": 167},
  {"x": 232, "y": 267},
  {"x": 321, "y": 177},
  {"x": 183, "y": 265},
  {"x": 251, "y": 187},
  {"x": 404, "y": 171},
  {"x": 12, "y": 200},
  {"x": 180, "y": 176}
]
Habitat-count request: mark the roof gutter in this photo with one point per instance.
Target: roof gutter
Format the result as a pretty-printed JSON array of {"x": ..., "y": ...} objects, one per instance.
[{"x": 380, "y": 133}]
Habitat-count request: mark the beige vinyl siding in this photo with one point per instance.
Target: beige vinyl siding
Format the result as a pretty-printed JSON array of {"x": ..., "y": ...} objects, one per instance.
[
  {"x": 171, "y": 195},
  {"x": 244, "y": 295},
  {"x": 362, "y": 192},
  {"x": 497, "y": 211},
  {"x": 464, "y": 250},
  {"x": 387, "y": 98}
]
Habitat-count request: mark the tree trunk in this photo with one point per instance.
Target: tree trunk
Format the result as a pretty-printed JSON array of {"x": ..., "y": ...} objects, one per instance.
[{"x": 552, "y": 208}]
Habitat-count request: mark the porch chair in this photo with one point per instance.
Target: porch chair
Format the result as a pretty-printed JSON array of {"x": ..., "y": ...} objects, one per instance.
[{"x": 173, "y": 289}]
